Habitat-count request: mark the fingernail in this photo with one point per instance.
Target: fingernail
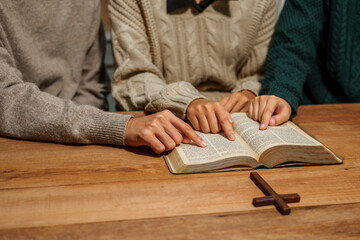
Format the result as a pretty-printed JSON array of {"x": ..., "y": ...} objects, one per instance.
[
  {"x": 203, "y": 144},
  {"x": 272, "y": 121},
  {"x": 262, "y": 126},
  {"x": 232, "y": 136}
]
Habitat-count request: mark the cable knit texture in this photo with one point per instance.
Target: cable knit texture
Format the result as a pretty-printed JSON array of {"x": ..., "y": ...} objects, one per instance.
[
  {"x": 166, "y": 60},
  {"x": 50, "y": 63},
  {"x": 314, "y": 56}
]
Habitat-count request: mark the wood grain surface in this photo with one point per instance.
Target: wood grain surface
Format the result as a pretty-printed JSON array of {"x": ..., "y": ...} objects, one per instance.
[
  {"x": 50, "y": 190},
  {"x": 321, "y": 223}
]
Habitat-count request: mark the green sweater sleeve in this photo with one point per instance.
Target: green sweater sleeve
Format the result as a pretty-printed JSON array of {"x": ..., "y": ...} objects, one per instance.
[{"x": 293, "y": 50}]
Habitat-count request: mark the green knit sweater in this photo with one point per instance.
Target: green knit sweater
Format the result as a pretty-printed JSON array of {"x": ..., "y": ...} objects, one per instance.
[{"x": 314, "y": 56}]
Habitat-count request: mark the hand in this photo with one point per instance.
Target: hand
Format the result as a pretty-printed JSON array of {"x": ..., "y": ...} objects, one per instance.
[
  {"x": 269, "y": 110},
  {"x": 161, "y": 131},
  {"x": 209, "y": 116},
  {"x": 238, "y": 101}
]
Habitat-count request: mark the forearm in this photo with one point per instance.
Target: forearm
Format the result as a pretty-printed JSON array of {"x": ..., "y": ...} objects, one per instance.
[
  {"x": 28, "y": 113},
  {"x": 292, "y": 53},
  {"x": 144, "y": 91}
]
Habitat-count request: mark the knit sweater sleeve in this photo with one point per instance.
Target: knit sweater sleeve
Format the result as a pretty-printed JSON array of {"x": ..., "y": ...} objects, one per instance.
[
  {"x": 260, "y": 32},
  {"x": 139, "y": 83},
  {"x": 293, "y": 50},
  {"x": 28, "y": 113}
]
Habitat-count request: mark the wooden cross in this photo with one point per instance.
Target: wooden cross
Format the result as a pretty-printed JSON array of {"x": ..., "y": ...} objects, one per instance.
[{"x": 279, "y": 200}]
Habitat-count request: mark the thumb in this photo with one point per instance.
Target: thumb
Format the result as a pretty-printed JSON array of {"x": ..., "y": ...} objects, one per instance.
[{"x": 281, "y": 116}]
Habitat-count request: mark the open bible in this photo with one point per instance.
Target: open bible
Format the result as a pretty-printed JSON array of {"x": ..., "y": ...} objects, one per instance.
[{"x": 283, "y": 145}]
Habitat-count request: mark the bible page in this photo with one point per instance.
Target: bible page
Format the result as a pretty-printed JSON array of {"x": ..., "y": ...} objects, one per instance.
[
  {"x": 218, "y": 147},
  {"x": 260, "y": 140}
]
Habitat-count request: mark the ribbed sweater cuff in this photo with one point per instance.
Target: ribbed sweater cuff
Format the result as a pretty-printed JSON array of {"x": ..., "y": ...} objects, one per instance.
[
  {"x": 176, "y": 97},
  {"x": 180, "y": 106},
  {"x": 108, "y": 128},
  {"x": 251, "y": 83}
]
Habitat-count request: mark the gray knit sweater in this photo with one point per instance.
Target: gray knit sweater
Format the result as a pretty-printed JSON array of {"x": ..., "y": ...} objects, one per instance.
[
  {"x": 166, "y": 60},
  {"x": 50, "y": 66}
]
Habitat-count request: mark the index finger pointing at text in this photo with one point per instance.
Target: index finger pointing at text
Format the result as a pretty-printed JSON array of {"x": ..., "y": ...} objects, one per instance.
[
  {"x": 187, "y": 131},
  {"x": 226, "y": 123}
]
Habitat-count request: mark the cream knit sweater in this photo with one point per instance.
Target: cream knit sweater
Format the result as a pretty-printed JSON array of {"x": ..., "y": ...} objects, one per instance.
[{"x": 166, "y": 60}]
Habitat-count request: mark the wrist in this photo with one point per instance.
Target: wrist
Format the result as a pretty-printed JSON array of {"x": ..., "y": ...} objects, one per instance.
[
  {"x": 193, "y": 105},
  {"x": 248, "y": 91},
  {"x": 128, "y": 129},
  {"x": 193, "y": 102}
]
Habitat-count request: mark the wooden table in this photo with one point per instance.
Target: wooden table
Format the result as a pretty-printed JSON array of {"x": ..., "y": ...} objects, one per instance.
[{"x": 101, "y": 192}]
